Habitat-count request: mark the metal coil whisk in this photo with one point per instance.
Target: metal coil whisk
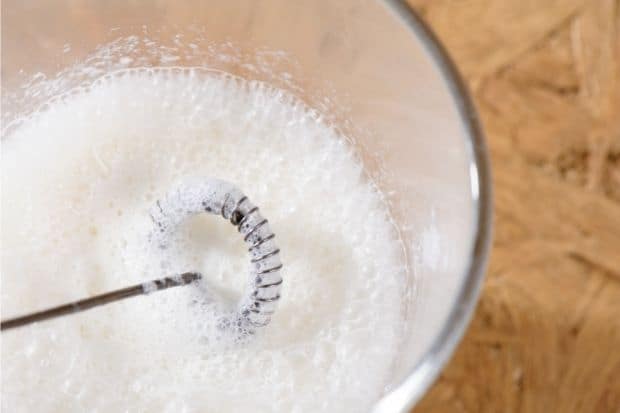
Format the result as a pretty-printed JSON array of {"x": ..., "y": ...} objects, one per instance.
[
  {"x": 222, "y": 198},
  {"x": 216, "y": 197}
]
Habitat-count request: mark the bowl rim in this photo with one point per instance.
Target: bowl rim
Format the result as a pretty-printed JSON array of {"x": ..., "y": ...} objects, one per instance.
[{"x": 411, "y": 389}]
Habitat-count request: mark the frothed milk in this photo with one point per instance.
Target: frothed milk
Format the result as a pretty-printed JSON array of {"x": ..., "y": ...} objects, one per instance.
[{"x": 78, "y": 181}]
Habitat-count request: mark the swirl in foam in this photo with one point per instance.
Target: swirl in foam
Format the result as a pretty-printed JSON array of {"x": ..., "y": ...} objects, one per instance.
[{"x": 78, "y": 180}]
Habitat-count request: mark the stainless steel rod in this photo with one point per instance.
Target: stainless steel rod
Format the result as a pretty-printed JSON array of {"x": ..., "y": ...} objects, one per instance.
[{"x": 102, "y": 299}]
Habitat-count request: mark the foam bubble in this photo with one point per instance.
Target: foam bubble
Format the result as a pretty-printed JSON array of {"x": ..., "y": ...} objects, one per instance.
[{"x": 78, "y": 182}]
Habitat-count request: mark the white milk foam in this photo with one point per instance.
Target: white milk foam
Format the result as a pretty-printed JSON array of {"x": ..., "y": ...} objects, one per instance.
[{"x": 78, "y": 181}]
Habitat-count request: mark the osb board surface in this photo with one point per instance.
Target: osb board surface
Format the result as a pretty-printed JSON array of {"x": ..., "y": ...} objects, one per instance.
[{"x": 545, "y": 77}]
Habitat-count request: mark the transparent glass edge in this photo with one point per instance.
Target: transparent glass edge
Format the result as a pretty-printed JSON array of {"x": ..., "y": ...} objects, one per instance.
[{"x": 411, "y": 389}]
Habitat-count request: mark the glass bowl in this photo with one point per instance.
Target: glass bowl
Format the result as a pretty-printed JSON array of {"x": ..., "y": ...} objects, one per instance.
[{"x": 371, "y": 68}]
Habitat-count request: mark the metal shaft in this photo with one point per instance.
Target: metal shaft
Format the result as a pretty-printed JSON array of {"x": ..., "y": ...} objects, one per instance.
[{"x": 102, "y": 299}]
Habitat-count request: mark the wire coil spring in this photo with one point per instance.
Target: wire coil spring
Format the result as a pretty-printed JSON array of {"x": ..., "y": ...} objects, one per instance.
[{"x": 223, "y": 198}]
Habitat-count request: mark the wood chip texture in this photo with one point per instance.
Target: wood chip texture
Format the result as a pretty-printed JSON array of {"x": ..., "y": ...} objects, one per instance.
[{"x": 545, "y": 76}]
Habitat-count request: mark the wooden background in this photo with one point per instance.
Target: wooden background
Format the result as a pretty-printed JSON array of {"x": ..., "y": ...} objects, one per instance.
[{"x": 545, "y": 76}]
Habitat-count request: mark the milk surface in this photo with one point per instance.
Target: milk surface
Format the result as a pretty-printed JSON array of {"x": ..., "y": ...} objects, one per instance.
[{"x": 78, "y": 181}]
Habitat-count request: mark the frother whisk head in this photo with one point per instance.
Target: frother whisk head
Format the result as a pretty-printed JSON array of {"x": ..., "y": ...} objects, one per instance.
[{"x": 216, "y": 197}]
